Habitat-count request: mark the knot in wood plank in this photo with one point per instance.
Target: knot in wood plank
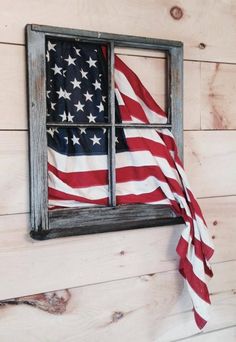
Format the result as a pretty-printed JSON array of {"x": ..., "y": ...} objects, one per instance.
[
  {"x": 202, "y": 46},
  {"x": 116, "y": 316},
  {"x": 176, "y": 12}
]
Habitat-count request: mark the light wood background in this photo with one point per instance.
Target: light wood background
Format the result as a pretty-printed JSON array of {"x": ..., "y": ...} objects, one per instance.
[{"x": 124, "y": 286}]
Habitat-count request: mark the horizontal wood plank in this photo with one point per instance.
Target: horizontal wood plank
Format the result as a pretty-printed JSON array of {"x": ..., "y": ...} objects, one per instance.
[
  {"x": 190, "y": 24},
  {"x": 218, "y": 101},
  {"x": 137, "y": 309},
  {"x": 210, "y": 158},
  {"x": 103, "y": 257}
]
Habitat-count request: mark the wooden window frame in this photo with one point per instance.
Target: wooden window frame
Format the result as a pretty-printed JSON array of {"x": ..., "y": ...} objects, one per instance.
[{"x": 66, "y": 222}]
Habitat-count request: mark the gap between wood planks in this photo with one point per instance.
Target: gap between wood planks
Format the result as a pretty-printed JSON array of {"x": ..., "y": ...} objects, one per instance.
[
  {"x": 142, "y": 55},
  {"x": 204, "y": 333}
]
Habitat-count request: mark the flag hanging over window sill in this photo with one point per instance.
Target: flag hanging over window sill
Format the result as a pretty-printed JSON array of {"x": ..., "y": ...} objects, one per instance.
[{"x": 148, "y": 169}]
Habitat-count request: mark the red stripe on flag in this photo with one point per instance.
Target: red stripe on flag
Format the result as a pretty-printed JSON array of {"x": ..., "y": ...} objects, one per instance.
[
  {"x": 81, "y": 179},
  {"x": 199, "y": 320},
  {"x": 134, "y": 108},
  {"x": 59, "y": 195},
  {"x": 154, "y": 196},
  {"x": 157, "y": 149}
]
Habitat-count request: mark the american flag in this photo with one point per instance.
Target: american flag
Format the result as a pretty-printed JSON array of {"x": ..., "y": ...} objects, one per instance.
[{"x": 148, "y": 168}]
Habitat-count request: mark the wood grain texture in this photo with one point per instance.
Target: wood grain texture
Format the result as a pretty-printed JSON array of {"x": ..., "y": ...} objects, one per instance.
[
  {"x": 13, "y": 87},
  {"x": 52, "y": 302},
  {"x": 66, "y": 222},
  {"x": 90, "y": 259},
  {"x": 79, "y": 260},
  {"x": 218, "y": 101},
  {"x": 220, "y": 216},
  {"x": 193, "y": 28},
  {"x": 210, "y": 158},
  {"x": 13, "y": 172},
  {"x": 141, "y": 309},
  {"x": 36, "y": 62},
  {"x": 192, "y": 95}
]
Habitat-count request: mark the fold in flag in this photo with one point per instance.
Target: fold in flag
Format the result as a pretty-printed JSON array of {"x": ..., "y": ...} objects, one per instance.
[{"x": 148, "y": 168}]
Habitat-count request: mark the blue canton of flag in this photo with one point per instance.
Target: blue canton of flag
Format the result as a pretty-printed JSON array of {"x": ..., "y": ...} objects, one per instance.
[{"x": 76, "y": 93}]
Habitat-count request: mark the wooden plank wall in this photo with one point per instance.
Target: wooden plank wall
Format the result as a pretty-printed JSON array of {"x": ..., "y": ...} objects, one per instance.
[{"x": 123, "y": 286}]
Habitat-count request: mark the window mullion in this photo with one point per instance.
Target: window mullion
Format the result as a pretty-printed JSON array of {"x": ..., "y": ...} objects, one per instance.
[{"x": 111, "y": 135}]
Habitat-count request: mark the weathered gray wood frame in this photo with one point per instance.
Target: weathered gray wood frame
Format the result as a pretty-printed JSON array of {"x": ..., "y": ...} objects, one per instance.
[{"x": 63, "y": 222}]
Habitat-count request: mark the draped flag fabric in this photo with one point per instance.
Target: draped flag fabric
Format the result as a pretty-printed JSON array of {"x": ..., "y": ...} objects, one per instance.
[{"x": 148, "y": 168}]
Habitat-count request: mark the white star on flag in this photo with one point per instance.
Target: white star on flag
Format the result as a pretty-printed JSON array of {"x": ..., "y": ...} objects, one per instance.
[
  {"x": 67, "y": 95},
  {"x": 83, "y": 73},
  {"x": 53, "y": 105},
  {"x": 56, "y": 70},
  {"x": 63, "y": 116},
  {"x": 76, "y": 83},
  {"x": 51, "y": 46},
  {"x": 91, "y": 117},
  {"x": 97, "y": 85},
  {"x": 48, "y": 56},
  {"x": 82, "y": 130},
  {"x": 64, "y": 94},
  {"x": 95, "y": 140},
  {"x": 75, "y": 140},
  {"x": 77, "y": 51},
  {"x": 79, "y": 106},
  {"x": 70, "y": 117},
  {"x": 88, "y": 97},
  {"x": 51, "y": 131},
  {"x": 91, "y": 62},
  {"x": 70, "y": 60},
  {"x": 100, "y": 107}
]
